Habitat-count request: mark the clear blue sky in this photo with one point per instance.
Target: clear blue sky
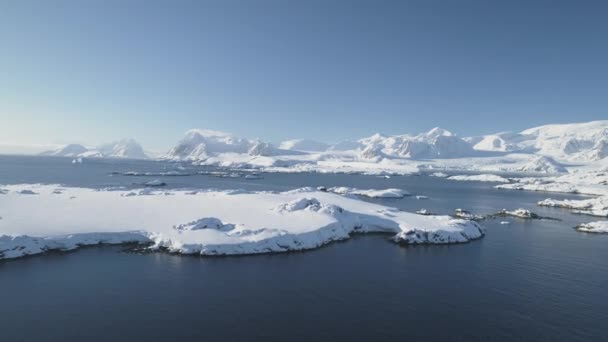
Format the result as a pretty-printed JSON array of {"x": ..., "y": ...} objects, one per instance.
[{"x": 92, "y": 71}]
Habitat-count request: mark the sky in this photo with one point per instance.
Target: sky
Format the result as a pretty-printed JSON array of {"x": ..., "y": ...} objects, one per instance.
[{"x": 92, "y": 71}]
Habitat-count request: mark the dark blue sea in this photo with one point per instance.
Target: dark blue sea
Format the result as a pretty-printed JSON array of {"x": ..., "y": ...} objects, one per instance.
[{"x": 535, "y": 280}]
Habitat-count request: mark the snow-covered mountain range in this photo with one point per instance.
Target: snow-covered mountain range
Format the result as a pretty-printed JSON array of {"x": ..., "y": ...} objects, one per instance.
[
  {"x": 124, "y": 148},
  {"x": 436, "y": 143},
  {"x": 579, "y": 142},
  {"x": 547, "y": 149},
  {"x": 200, "y": 144}
]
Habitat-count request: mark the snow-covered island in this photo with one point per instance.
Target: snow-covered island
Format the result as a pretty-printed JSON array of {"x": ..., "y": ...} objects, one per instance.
[
  {"x": 40, "y": 218},
  {"x": 600, "y": 227}
]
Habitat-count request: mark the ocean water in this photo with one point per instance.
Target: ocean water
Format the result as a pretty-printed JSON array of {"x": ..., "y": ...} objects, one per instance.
[{"x": 537, "y": 280}]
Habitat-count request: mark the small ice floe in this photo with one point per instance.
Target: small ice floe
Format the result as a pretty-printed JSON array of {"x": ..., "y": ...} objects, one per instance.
[
  {"x": 421, "y": 197},
  {"x": 480, "y": 178},
  {"x": 423, "y": 212},
  {"x": 464, "y": 214},
  {"x": 373, "y": 193},
  {"x": 253, "y": 176},
  {"x": 156, "y": 182},
  {"x": 505, "y": 222},
  {"x": 220, "y": 174},
  {"x": 164, "y": 173},
  {"x": 206, "y": 223},
  {"x": 27, "y": 192},
  {"x": 522, "y": 213},
  {"x": 225, "y": 174},
  {"x": 77, "y": 161},
  {"x": 439, "y": 174},
  {"x": 593, "y": 227}
]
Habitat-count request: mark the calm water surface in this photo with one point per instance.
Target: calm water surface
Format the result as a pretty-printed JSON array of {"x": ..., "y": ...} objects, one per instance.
[{"x": 527, "y": 281}]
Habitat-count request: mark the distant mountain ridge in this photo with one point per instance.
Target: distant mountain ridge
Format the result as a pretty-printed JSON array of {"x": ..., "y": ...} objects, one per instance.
[
  {"x": 124, "y": 148},
  {"x": 579, "y": 142},
  {"x": 557, "y": 143},
  {"x": 436, "y": 143},
  {"x": 200, "y": 144}
]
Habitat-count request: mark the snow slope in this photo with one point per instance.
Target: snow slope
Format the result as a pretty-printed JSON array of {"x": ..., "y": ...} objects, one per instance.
[
  {"x": 125, "y": 148},
  {"x": 201, "y": 144},
  {"x": 38, "y": 218},
  {"x": 70, "y": 150},
  {"x": 305, "y": 145},
  {"x": 578, "y": 142}
]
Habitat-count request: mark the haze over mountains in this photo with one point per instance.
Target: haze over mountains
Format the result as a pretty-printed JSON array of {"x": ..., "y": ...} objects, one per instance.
[{"x": 124, "y": 148}]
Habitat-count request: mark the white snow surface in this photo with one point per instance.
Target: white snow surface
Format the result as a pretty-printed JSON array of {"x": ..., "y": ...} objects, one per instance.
[
  {"x": 578, "y": 142},
  {"x": 208, "y": 222},
  {"x": 594, "y": 206},
  {"x": 480, "y": 178},
  {"x": 582, "y": 182},
  {"x": 593, "y": 227},
  {"x": 542, "y": 164},
  {"x": 373, "y": 193},
  {"x": 305, "y": 145}
]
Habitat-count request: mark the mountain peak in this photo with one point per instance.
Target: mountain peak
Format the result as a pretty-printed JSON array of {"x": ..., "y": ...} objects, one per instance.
[{"x": 438, "y": 131}]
